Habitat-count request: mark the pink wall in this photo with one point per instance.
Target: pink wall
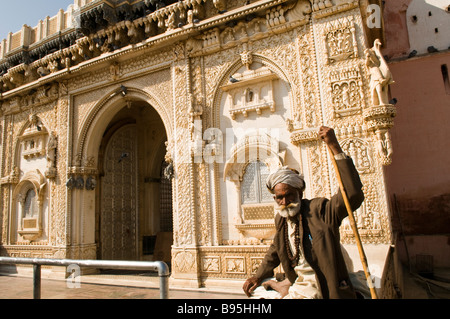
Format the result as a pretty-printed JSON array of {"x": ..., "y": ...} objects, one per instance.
[
  {"x": 419, "y": 175},
  {"x": 418, "y": 180},
  {"x": 395, "y": 29}
]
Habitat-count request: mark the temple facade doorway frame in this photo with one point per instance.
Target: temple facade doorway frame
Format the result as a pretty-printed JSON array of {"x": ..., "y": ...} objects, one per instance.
[{"x": 141, "y": 237}]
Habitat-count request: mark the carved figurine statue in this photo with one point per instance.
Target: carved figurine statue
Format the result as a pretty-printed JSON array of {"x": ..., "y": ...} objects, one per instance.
[
  {"x": 52, "y": 144},
  {"x": 380, "y": 76},
  {"x": 91, "y": 183},
  {"x": 170, "y": 22},
  {"x": 220, "y": 5},
  {"x": 51, "y": 150},
  {"x": 384, "y": 146}
]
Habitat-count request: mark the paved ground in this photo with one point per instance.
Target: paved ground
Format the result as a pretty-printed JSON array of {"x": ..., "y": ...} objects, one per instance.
[{"x": 19, "y": 287}]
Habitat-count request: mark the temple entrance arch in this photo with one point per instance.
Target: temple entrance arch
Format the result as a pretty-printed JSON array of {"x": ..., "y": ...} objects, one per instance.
[{"x": 132, "y": 191}]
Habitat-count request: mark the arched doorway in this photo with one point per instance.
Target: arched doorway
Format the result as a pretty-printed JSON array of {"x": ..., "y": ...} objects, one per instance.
[
  {"x": 119, "y": 201},
  {"x": 132, "y": 206}
]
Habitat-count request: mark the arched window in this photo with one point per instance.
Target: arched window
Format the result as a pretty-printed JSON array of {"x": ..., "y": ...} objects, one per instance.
[
  {"x": 29, "y": 197},
  {"x": 30, "y": 207},
  {"x": 253, "y": 187}
]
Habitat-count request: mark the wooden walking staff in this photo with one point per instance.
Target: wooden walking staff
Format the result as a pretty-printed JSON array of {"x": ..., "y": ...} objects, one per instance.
[{"x": 362, "y": 255}]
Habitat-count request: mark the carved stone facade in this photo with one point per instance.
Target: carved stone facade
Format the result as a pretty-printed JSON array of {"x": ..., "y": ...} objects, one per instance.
[{"x": 223, "y": 91}]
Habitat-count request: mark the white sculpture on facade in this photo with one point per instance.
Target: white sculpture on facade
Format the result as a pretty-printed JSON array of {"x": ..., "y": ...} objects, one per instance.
[
  {"x": 380, "y": 76},
  {"x": 51, "y": 155}
]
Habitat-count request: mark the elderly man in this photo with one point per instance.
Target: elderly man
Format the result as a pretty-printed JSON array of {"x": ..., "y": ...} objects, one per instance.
[{"x": 307, "y": 241}]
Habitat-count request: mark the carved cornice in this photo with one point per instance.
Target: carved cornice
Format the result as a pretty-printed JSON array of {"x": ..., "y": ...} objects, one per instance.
[
  {"x": 120, "y": 27},
  {"x": 82, "y": 171},
  {"x": 326, "y": 8},
  {"x": 118, "y": 39}
]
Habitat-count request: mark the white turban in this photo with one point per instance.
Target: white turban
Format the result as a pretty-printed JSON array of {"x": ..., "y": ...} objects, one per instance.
[{"x": 285, "y": 175}]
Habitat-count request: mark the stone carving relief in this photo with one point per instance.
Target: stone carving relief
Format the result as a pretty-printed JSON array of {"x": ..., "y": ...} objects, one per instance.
[
  {"x": 278, "y": 19},
  {"x": 184, "y": 261},
  {"x": 372, "y": 222},
  {"x": 340, "y": 40},
  {"x": 33, "y": 99},
  {"x": 321, "y": 4},
  {"x": 114, "y": 71},
  {"x": 211, "y": 264},
  {"x": 360, "y": 152},
  {"x": 255, "y": 262},
  {"x": 235, "y": 265},
  {"x": 220, "y": 5},
  {"x": 183, "y": 235},
  {"x": 346, "y": 91},
  {"x": 359, "y": 143},
  {"x": 84, "y": 175},
  {"x": 13, "y": 177},
  {"x": 306, "y": 116},
  {"x": 384, "y": 146},
  {"x": 231, "y": 261}
]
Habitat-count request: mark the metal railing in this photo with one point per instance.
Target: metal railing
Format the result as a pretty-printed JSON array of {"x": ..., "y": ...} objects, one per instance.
[{"x": 161, "y": 267}]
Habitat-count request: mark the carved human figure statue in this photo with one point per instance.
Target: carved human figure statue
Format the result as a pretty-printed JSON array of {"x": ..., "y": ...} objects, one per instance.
[
  {"x": 220, "y": 5},
  {"x": 384, "y": 146},
  {"x": 380, "y": 76},
  {"x": 51, "y": 150}
]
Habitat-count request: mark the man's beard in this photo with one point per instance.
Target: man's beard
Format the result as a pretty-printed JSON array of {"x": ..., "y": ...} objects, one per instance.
[{"x": 289, "y": 210}]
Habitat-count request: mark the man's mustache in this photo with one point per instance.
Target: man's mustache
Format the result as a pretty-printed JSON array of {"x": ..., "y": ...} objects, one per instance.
[{"x": 291, "y": 205}]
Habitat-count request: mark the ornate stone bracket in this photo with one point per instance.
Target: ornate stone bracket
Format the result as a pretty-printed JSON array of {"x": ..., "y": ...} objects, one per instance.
[
  {"x": 12, "y": 178},
  {"x": 82, "y": 178},
  {"x": 380, "y": 119}
]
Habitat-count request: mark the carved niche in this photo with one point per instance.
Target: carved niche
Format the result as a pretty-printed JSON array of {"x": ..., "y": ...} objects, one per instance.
[
  {"x": 33, "y": 140},
  {"x": 360, "y": 152},
  {"x": 37, "y": 142},
  {"x": 29, "y": 194},
  {"x": 250, "y": 91}
]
